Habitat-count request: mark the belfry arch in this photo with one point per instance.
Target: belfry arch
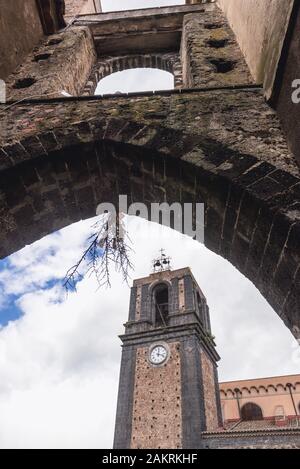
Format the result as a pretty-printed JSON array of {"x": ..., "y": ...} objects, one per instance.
[
  {"x": 161, "y": 300},
  {"x": 213, "y": 141}
]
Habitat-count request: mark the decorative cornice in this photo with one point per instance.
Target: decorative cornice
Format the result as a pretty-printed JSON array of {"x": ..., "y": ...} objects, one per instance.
[
  {"x": 253, "y": 432},
  {"x": 172, "y": 332},
  {"x": 261, "y": 389}
]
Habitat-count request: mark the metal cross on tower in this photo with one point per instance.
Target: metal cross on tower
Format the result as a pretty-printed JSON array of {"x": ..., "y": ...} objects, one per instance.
[{"x": 163, "y": 262}]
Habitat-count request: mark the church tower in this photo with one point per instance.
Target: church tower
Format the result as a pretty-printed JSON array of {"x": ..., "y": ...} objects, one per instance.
[{"x": 168, "y": 390}]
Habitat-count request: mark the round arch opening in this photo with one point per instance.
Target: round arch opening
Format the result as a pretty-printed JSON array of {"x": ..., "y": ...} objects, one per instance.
[{"x": 135, "y": 80}]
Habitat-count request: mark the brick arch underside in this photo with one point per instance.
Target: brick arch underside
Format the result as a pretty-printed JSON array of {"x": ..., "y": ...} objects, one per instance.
[{"x": 57, "y": 175}]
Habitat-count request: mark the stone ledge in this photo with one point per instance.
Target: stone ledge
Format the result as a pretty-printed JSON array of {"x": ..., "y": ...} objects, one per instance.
[{"x": 146, "y": 12}]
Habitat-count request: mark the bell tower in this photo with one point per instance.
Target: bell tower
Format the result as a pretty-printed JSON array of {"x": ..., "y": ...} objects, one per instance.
[{"x": 168, "y": 389}]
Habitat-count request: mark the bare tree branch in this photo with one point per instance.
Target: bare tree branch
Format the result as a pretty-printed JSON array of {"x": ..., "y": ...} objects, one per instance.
[{"x": 107, "y": 246}]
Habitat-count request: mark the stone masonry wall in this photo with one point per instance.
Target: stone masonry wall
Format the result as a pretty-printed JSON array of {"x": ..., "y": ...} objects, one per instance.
[
  {"x": 209, "y": 52},
  {"x": 209, "y": 387},
  {"x": 78, "y": 7},
  {"x": 209, "y": 56},
  {"x": 157, "y": 402},
  {"x": 260, "y": 27},
  {"x": 60, "y": 62},
  {"x": 74, "y": 7},
  {"x": 20, "y": 31},
  {"x": 239, "y": 120},
  {"x": 138, "y": 304},
  {"x": 181, "y": 296}
]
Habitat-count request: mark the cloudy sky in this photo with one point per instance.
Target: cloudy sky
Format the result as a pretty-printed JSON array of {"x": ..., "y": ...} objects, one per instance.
[{"x": 60, "y": 355}]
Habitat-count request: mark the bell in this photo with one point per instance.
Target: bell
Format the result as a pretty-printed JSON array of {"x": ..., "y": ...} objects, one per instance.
[{"x": 157, "y": 264}]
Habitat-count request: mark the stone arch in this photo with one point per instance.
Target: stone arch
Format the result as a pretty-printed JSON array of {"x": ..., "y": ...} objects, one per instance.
[
  {"x": 88, "y": 152},
  {"x": 68, "y": 184},
  {"x": 168, "y": 62}
]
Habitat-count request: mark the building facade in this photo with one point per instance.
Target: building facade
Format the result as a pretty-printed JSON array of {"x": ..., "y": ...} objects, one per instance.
[
  {"x": 269, "y": 401},
  {"x": 23, "y": 25}
]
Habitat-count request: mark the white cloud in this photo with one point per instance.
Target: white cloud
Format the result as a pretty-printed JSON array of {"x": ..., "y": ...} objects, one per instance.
[
  {"x": 44, "y": 261},
  {"x": 70, "y": 414}
]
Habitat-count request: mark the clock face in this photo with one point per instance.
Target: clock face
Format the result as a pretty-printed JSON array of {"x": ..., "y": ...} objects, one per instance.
[{"x": 158, "y": 355}]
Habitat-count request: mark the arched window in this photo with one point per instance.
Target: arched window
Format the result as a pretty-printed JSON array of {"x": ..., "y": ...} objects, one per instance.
[
  {"x": 251, "y": 411},
  {"x": 161, "y": 304}
]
